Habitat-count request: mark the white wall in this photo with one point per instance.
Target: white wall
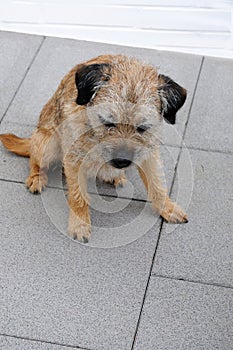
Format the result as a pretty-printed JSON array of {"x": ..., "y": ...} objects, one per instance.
[{"x": 200, "y": 26}]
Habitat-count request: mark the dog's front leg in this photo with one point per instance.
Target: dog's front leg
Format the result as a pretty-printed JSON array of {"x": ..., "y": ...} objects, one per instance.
[
  {"x": 79, "y": 224},
  {"x": 151, "y": 173}
]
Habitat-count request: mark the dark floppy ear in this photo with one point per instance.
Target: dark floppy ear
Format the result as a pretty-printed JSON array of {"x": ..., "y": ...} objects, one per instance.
[
  {"x": 88, "y": 79},
  {"x": 172, "y": 97}
]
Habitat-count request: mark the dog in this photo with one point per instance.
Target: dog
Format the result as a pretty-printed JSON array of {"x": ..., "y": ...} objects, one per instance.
[{"x": 105, "y": 115}]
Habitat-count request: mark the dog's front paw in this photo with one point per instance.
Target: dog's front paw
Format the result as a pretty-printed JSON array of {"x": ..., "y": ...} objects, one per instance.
[
  {"x": 79, "y": 229},
  {"x": 118, "y": 181},
  {"x": 173, "y": 213},
  {"x": 81, "y": 233},
  {"x": 36, "y": 183}
]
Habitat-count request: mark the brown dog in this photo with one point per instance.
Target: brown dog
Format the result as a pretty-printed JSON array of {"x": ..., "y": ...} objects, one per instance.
[{"x": 105, "y": 115}]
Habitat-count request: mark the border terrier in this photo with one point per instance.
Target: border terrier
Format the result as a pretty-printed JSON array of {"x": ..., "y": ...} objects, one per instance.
[{"x": 105, "y": 115}]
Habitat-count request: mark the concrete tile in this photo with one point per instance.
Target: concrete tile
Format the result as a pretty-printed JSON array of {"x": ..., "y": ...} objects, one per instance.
[
  {"x": 55, "y": 289},
  {"x": 11, "y": 343},
  {"x": 201, "y": 250},
  {"x": 13, "y": 167},
  {"x": 17, "y": 52},
  {"x": 115, "y": 221},
  {"x": 183, "y": 315},
  {"x": 58, "y": 56},
  {"x": 210, "y": 125}
]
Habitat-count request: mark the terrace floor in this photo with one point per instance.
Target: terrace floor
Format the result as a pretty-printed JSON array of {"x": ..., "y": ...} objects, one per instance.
[{"x": 139, "y": 284}]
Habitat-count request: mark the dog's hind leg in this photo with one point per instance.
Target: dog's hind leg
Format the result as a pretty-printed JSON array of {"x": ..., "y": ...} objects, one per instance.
[
  {"x": 151, "y": 173},
  {"x": 43, "y": 150}
]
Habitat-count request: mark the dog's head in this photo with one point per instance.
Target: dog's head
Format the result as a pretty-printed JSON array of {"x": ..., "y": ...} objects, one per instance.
[{"x": 126, "y": 101}]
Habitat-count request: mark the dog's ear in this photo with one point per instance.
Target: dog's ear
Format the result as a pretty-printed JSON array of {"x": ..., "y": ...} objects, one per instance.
[
  {"x": 172, "y": 97},
  {"x": 88, "y": 79}
]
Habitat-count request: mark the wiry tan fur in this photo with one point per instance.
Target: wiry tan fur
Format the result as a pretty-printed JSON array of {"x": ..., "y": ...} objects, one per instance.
[{"x": 73, "y": 134}]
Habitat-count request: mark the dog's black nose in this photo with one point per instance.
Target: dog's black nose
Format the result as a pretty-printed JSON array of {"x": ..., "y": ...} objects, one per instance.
[{"x": 120, "y": 163}]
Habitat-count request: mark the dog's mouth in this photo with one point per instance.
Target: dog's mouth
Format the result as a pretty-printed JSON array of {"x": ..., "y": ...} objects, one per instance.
[{"x": 120, "y": 163}]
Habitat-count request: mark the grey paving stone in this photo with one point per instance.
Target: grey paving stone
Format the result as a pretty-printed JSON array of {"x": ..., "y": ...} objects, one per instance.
[
  {"x": 55, "y": 289},
  {"x": 201, "y": 250},
  {"x": 17, "y": 52},
  {"x": 115, "y": 221},
  {"x": 210, "y": 125},
  {"x": 181, "y": 315},
  {"x": 58, "y": 56},
  {"x": 13, "y": 167},
  {"x": 16, "y": 168},
  {"x": 12, "y": 343}
]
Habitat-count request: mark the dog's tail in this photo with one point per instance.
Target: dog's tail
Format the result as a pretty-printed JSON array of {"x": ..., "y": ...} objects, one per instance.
[{"x": 16, "y": 144}]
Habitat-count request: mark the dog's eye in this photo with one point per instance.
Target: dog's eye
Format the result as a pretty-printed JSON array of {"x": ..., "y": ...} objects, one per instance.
[
  {"x": 142, "y": 128},
  {"x": 109, "y": 125}
]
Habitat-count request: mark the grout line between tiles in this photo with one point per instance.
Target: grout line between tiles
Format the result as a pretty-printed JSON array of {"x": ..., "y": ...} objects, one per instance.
[
  {"x": 120, "y": 197},
  {"x": 183, "y": 145},
  {"x": 93, "y": 193},
  {"x": 193, "y": 98},
  {"x": 23, "y": 183},
  {"x": 186, "y": 124},
  {"x": 218, "y": 285},
  {"x": 13, "y": 181},
  {"x": 22, "y": 124},
  {"x": 171, "y": 187},
  {"x": 43, "y": 341},
  {"x": 24, "y": 77},
  {"x": 202, "y": 149},
  {"x": 147, "y": 286}
]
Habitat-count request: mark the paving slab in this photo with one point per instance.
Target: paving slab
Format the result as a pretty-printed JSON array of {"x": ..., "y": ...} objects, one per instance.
[
  {"x": 16, "y": 55},
  {"x": 115, "y": 221},
  {"x": 12, "y": 343},
  {"x": 15, "y": 168},
  {"x": 58, "y": 56},
  {"x": 182, "y": 315},
  {"x": 55, "y": 289},
  {"x": 201, "y": 250},
  {"x": 210, "y": 125}
]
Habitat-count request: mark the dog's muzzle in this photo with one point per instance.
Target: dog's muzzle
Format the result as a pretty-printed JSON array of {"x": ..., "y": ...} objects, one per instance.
[{"x": 122, "y": 158}]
